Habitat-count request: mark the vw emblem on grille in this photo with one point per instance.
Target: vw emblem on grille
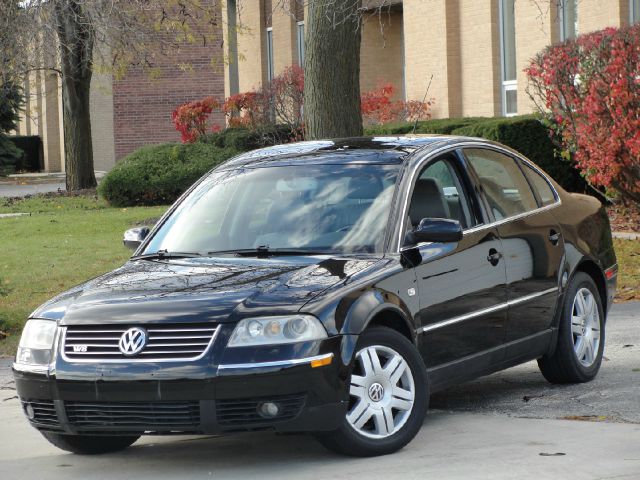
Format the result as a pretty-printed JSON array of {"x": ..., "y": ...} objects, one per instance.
[
  {"x": 376, "y": 392},
  {"x": 133, "y": 341}
]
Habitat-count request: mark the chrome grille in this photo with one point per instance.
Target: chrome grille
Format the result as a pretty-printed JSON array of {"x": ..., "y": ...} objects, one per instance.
[
  {"x": 91, "y": 343},
  {"x": 134, "y": 416}
]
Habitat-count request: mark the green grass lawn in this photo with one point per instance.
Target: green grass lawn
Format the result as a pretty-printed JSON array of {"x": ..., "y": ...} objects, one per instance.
[
  {"x": 628, "y": 253},
  {"x": 65, "y": 241}
]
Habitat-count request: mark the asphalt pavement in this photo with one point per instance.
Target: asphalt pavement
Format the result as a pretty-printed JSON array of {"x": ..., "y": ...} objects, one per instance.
[
  {"x": 510, "y": 425},
  {"x": 19, "y": 190}
]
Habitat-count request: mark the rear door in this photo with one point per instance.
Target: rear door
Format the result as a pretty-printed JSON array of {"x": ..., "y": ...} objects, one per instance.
[{"x": 532, "y": 241}]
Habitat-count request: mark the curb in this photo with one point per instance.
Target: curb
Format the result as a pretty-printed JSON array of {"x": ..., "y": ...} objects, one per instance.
[{"x": 626, "y": 235}]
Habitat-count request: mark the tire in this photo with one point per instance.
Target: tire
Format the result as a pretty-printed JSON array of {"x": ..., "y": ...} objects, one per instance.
[
  {"x": 569, "y": 363},
  {"x": 89, "y": 444},
  {"x": 382, "y": 418}
]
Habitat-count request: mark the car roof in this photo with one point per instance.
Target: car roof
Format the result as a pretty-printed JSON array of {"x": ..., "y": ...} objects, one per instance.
[{"x": 356, "y": 150}]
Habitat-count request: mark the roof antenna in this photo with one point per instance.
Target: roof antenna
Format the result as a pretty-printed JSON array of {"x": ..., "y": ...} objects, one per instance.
[{"x": 415, "y": 125}]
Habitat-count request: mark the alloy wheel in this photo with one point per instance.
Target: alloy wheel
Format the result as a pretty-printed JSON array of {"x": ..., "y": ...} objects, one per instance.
[
  {"x": 382, "y": 392},
  {"x": 585, "y": 327}
]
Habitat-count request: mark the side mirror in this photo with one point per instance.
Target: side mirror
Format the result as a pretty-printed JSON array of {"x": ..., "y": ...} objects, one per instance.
[
  {"x": 440, "y": 230},
  {"x": 135, "y": 236}
]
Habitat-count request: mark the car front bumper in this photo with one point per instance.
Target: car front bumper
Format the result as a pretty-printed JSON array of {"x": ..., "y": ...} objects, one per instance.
[{"x": 310, "y": 393}]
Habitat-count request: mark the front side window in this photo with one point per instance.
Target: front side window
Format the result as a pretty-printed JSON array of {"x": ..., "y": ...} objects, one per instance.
[
  {"x": 321, "y": 208},
  {"x": 438, "y": 193},
  {"x": 503, "y": 183}
]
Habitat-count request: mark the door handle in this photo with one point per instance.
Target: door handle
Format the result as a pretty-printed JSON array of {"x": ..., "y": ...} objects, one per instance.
[
  {"x": 494, "y": 257},
  {"x": 554, "y": 237}
]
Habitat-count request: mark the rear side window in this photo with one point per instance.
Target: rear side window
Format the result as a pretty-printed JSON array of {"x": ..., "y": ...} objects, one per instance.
[
  {"x": 540, "y": 185},
  {"x": 505, "y": 187}
]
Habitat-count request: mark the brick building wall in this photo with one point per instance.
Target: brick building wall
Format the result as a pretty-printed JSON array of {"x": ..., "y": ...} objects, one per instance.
[
  {"x": 381, "y": 51},
  {"x": 142, "y": 105}
]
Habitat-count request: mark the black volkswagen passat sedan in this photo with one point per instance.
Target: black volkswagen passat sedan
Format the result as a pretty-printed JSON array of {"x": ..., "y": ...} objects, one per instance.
[{"x": 325, "y": 287}]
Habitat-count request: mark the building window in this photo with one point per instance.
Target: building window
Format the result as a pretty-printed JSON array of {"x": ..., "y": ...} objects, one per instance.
[
  {"x": 300, "y": 37},
  {"x": 270, "y": 53},
  {"x": 508, "y": 57},
  {"x": 634, "y": 11},
  {"x": 568, "y": 19}
]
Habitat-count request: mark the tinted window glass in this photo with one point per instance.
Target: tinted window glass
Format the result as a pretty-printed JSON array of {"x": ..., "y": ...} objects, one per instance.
[
  {"x": 438, "y": 193},
  {"x": 541, "y": 186},
  {"x": 332, "y": 208},
  {"x": 503, "y": 183}
]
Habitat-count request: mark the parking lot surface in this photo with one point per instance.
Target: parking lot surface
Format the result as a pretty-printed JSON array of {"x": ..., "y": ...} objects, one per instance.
[{"x": 505, "y": 426}]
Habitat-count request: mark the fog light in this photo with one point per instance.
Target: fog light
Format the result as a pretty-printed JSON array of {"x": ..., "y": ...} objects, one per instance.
[
  {"x": 268, "y": 409},
  {"x": 28, "y": 409}
]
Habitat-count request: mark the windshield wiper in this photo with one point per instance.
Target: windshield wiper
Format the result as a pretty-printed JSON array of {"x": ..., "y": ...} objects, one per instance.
[
  {"x": 265, "y": 251},
  {"x": 165, "y": 254}
]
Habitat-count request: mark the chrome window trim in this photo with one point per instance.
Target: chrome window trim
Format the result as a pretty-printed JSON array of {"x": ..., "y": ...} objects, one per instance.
[
  {"x": 471, "y": 144},
  {"x": 484, "y": 226},
  {"x": 484, "y": 311},
  {"x": 276, "y": 363},
  {"x": 137, "y": 360}
]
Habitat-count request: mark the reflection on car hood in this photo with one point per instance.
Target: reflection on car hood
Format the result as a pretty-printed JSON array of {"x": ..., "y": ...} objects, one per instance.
[{"x": 193, "y": 290}]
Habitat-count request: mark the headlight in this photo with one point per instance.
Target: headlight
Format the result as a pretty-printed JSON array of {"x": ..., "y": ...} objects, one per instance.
[
  {"x": 36, "y": 342},
  {"x": 276, "y": 330}
]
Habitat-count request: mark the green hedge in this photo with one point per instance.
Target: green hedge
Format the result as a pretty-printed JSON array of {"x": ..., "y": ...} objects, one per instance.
[
  {"x": 10, "y": 156},
  {"x": 159, "y": 174},
  {"x": 524, "y": 133},
  {"x": 442, "y": 126},
  {"x": 244, "y": 140},
  {"x": 529, "y": 136}
]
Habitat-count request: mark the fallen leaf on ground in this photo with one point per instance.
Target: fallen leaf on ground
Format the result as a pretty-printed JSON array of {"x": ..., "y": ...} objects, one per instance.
[{"x": 586, "y": 418}]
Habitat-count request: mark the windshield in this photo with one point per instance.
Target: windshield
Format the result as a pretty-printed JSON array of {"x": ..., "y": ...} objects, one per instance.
[{"x": 315, "y": 208}]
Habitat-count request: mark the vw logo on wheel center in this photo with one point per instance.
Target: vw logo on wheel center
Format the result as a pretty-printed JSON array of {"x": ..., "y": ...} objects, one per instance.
[
  {"x": 376, "y": 392},
  {"x": 133, "y": 341}
]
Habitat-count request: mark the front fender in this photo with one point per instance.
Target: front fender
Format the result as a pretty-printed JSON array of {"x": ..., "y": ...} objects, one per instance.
[{"x": 360, "y": 312}]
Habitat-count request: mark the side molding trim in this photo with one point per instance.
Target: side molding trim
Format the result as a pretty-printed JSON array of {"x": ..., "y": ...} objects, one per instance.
[{"x": 485, "y": 311}]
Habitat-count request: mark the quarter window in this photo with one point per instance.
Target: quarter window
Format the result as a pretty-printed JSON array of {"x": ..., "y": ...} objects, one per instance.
[
  {"x": 503, "y": 183},
  {"x": 541, "y": 186}
]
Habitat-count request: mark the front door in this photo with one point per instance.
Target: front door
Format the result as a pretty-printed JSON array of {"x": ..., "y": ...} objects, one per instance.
[{"x": 461, "y": 285}]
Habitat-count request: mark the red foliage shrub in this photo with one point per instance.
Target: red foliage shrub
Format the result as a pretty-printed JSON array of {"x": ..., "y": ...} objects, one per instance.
[
  {"x": 286, "y": 95},
  {"x": 245, "y": 110},
  {"x": 281, "y": 101},
  {"x": 378, "y": 107},
  {"x": 190, "y": 119},
  {"x": 590, "y": 90}
]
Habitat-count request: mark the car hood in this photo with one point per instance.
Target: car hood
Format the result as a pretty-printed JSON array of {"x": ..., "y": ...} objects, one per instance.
[{"x": 190, "y": 290}]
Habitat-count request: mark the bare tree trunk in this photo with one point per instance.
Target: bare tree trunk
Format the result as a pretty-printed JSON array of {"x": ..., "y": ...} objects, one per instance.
[
  {"x": 332, "y": 69},
  {"x": 76, "y": 38}
]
